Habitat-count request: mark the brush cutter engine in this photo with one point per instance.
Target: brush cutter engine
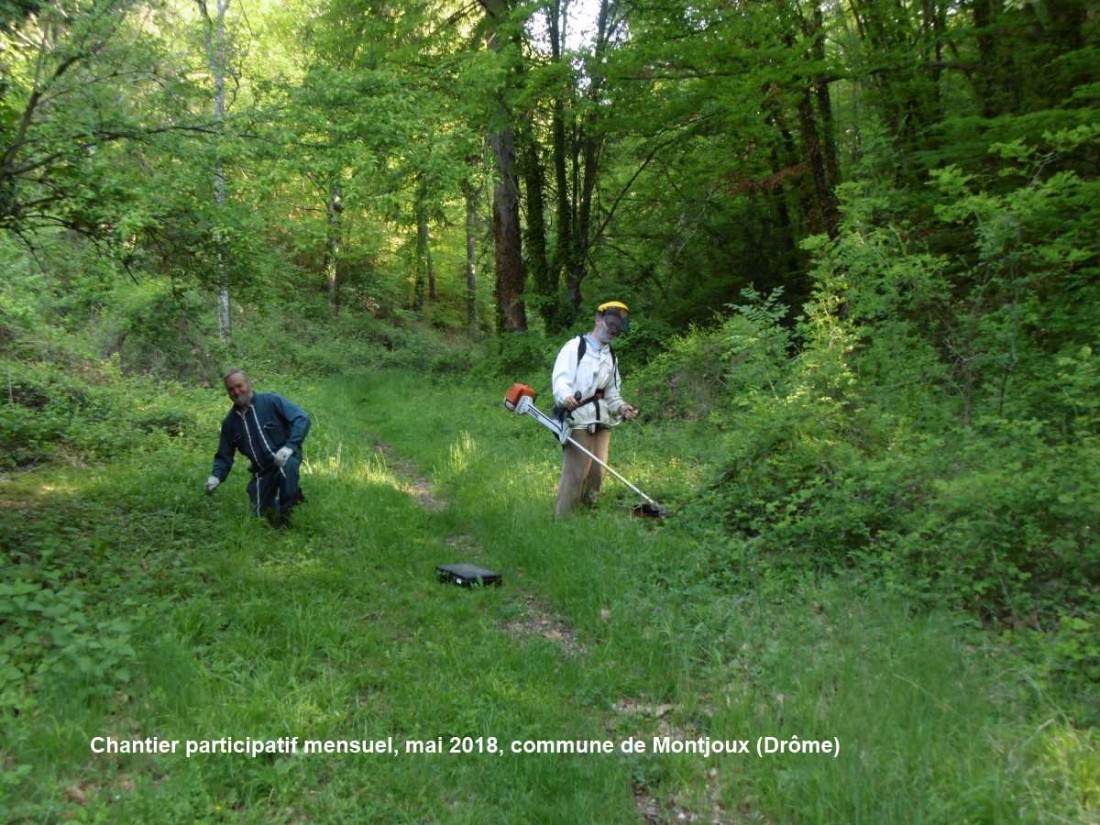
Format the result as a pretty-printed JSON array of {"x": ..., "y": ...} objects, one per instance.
[{"x": 520, "y": 399}]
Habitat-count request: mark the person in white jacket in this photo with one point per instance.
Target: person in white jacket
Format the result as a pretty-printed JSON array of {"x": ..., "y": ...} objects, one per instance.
[{"x": 586, "y": 384}]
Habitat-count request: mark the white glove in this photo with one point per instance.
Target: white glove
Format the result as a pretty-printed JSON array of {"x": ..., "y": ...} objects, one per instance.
[
  {"x": 211, "y": 483},
  {"x": 283, "y": 456}
]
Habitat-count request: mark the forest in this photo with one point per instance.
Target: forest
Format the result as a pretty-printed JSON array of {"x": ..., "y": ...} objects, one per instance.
[{"x": 858, "y": 240}]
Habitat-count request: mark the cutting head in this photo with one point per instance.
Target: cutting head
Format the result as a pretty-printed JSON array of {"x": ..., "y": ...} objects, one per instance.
[{"x": 649, "y": 509}]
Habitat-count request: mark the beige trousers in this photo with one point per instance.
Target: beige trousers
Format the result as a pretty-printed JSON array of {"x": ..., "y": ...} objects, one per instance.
[{"x": 581, "y": 477}]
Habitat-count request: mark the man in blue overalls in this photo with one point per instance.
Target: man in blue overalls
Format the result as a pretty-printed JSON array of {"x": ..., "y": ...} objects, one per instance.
[{"x": 269, "y": 430}]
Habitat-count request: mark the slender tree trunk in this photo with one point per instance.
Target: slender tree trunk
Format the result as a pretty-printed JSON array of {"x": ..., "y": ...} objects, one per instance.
[
  {"x": 564, "y": 210},
  {"x": 423, "y": 248},
  {"x": 996, "y": 84},
  {"x": 538, "y": 265},
  {"x": 575, "y": 217},
  {"x": 816, "y": 149},
  {"x": 333, "y": 230},
  {"x": 472, "y": 193},
  {"x": 433, "y": 295},
  {"x": 215, "y": 52},
  {"x": 590, "y": 150},
  {"x": 830, "y": 172},
  {"x": 903, "y": 44}
]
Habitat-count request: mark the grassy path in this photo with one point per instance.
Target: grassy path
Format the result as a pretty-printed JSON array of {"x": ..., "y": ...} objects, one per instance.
[{"x": 167, "y": 614}]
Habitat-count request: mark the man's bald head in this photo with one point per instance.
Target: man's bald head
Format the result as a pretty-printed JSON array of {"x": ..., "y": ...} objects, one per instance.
[{"x": 238, "y": 388}]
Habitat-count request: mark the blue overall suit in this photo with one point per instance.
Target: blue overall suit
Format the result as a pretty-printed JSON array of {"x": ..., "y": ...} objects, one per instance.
[{"x": 269, "y": 423}]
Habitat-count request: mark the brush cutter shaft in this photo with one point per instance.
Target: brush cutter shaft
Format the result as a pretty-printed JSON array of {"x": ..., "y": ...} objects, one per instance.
[
  {"x": 610, "y": 469},
  {"x": 527, "y": 407}
]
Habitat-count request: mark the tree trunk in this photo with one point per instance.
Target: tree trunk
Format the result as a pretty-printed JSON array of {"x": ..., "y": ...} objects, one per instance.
[
  {"x": 507, "y": 243},
  {"x": 830, "y": 164},
  {"x": 333, "y": 230},
  {"x": 472, "y": 194},
  {"x": 902, "y": 44},
  {"x": 590, "y": 148},
  {"x": 424, "y": 275},
  {"x": 538, "y": 264},
  {"x": 575, "y": 214},
  {"x": 564, "y": 211},
  {"x": 215, "y": 53}
]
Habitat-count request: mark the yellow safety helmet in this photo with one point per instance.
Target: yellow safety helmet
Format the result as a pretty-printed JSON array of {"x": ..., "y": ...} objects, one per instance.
[
  {"x": 617, "y": 310},
  {"x": 619, "y": 305}
]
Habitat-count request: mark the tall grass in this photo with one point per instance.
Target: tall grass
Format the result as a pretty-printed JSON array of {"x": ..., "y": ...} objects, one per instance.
[{"x": 605, "y": 628}]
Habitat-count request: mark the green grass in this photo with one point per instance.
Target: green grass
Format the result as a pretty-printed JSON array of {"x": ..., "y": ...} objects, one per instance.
[{"x": 606, "y": 628}]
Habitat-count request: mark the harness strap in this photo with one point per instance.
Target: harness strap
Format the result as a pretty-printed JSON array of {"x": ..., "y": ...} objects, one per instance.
[
  {"x": 592, "y": 399},
  {"x": 582, "y": 348}
]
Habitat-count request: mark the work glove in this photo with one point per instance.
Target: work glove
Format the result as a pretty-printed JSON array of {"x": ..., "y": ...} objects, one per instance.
[
  {"x": 283, "y": 456},
  {"x": 211, "y": 483}
]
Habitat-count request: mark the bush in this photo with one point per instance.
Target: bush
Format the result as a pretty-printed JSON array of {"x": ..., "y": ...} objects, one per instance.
[
  {"x": 1011, "y": 522},
  {"x": 49, "y": 636},
  {"x": 519, "y": 356},
  {"x": 825, "y": 463},
  {"x": 162, "y": 331},
  {"x": 706, "y": 370},
  {"x": 82, "y": 410}
]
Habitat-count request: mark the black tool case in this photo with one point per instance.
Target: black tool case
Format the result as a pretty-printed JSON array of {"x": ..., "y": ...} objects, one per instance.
[{"x": 467, "y": 575}]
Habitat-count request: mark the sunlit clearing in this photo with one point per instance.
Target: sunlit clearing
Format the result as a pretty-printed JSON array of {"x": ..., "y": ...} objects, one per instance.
[
  {"x": 61, "y": 488},
  {"x": 292, "y": 569},
  {"x": 462, "y": 451},
  {"x": 371, "y": 469}
]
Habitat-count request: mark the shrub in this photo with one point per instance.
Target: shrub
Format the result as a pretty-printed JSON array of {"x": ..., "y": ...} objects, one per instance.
[
  {"x": 520, "y": 356},
  {"x": 705, "y": 370},
  {"x": 48, "y": 635},
  {"x": 159, "y": 330}
]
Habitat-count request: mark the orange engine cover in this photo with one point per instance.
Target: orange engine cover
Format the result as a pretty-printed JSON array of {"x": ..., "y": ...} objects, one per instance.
[{"x": 518, "y": 391}]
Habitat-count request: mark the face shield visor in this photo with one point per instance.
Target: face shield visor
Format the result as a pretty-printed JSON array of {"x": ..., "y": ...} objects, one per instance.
[{"x": 616, "y": 320}]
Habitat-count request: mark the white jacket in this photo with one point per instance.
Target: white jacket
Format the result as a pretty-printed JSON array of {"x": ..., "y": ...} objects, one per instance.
[{"x": 596, "y": 371}]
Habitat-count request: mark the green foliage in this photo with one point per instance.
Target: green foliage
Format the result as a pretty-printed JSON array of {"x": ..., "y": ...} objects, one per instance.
[
  {"x": 922, "y": 429},
  {"x": 50, "y": 640},
  {"x": 398, "y": 342},
  {"x": 704, "y": 369},
  {"x": 855, "y": 453},
  {"x": 527, "y": 357},
  {"x": 47, "y": 410},
  {"x": 158, "y": 330},
  {"x": 921, "y": 424},
  {"x": 82, "y": 79},
  {"x": 338, "y": 630}
]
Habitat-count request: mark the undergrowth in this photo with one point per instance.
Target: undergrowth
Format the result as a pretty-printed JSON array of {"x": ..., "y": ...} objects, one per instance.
[
  {"x": 860, "y": 551},
  {"x": 142, "y": 608}
]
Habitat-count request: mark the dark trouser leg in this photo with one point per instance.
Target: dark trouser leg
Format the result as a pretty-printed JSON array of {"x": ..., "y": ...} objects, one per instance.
[
  {"x": 262, "y": 491},
  {"x": 288, "y": 485}
]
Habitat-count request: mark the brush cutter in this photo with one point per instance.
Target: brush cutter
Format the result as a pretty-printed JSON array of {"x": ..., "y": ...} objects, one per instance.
[{"x": 520, "y": 399}]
